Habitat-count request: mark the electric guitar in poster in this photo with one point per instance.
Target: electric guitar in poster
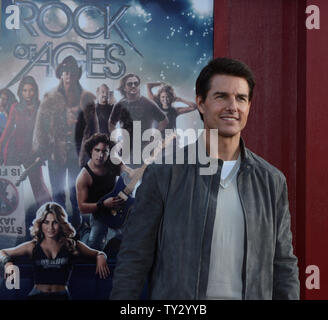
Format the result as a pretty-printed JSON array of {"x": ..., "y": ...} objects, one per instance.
[{"x": 117, "y": 217}]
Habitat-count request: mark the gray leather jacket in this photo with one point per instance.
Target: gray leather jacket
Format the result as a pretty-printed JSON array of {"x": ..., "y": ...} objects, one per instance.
[{"x": 169, "y": 233}]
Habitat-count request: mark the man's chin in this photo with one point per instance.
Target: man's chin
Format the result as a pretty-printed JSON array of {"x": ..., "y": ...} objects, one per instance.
[
  {"x": 133, "y": 96},
  {"x": 228, "y": 134},
  {"x": 99, "y": 163}
]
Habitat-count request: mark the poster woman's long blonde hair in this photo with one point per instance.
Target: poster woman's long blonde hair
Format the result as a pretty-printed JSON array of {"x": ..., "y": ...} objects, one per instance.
[{"x": 66, "y": 230}]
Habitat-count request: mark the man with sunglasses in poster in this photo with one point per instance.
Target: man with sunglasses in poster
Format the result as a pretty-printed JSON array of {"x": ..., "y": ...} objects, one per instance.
[{"x": 134, "y": 107}]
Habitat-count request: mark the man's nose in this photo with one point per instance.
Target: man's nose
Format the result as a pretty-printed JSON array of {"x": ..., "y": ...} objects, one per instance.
[{"x": 232, "y": 105}]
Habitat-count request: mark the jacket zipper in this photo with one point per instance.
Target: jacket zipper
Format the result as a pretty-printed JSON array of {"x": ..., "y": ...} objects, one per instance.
[
  {"x": 246, "y": 237},
  {"x": 203, "y": 231}
]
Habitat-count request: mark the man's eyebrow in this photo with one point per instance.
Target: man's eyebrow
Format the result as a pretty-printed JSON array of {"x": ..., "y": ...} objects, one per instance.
[
  {"x": 226, "y": 93},
  {"x": 220, "y": 92}
]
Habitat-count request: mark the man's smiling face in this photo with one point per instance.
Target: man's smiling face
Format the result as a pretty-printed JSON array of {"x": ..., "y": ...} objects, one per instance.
[{"x": 226, "y": 106}]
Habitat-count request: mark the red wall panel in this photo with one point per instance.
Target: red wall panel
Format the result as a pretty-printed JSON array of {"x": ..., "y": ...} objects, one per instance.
[
  {"x": 288, "y": 114},
  {"x": 317, "y": 150}
]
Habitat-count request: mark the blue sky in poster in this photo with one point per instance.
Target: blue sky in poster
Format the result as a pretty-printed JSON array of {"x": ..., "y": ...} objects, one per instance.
[{"x": 174, "y": 37}]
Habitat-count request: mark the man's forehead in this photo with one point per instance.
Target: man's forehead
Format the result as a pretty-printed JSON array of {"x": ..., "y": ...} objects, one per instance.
[
  {"x": 101, "y": 146},
  {"x": 224, "y": 82},
  {"x": 131, "y": 79},
  {"x": 103, "y": 88}
]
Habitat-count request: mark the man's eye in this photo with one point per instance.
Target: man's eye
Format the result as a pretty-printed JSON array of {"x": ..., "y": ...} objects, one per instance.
[{"x": 243, "y": 99}]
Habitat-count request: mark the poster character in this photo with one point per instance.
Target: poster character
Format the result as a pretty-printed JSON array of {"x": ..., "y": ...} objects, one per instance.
[
  {"x": 17, "y": 137},
  {"x": 96, "y": 180},
  {"x": 52, "y": 249},
  {"x": 135, "y": 107},
  {"x": 7, "y": 99},
  {"x": 104, "y": 107},
  {"x": 66, "y": 118},
  {"x": 165, "y": 99}
]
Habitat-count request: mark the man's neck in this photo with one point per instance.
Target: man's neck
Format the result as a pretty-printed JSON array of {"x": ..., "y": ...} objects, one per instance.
[
  {"x": 100, "y": 170},
  {"x": 131, "y": 98},
  {"x": 225, "y": 148},
  {"x": 69, "y": 88}
]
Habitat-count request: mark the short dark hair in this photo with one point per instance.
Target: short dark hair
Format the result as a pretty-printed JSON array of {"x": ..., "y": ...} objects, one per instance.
[
  {"x": 123, "y": 82},
  {"x": 95, "y": 139},
  {"x": 224, "y": 66}
]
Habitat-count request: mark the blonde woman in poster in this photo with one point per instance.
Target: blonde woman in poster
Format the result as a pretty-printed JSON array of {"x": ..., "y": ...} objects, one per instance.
[{"x": 52, "y": 250}]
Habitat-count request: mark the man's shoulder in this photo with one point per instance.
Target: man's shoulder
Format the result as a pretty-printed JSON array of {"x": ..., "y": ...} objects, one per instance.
[
  {"x": 263, "y": 165},
  {"x": 87, "y": 96},
  {"x": 164, "y": 164},
  {"x": 52, "y": 99},
  {"x": 160, "y": 169},
  {"x": 146, "y": 101},
  {"x": 121, "y": 103},
  {"x": 53, "y": 93},
  {"x": 84, "y": 178}
]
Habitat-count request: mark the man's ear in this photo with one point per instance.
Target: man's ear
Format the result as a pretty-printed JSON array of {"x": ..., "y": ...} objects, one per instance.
[{"x": 200, "y": 104}]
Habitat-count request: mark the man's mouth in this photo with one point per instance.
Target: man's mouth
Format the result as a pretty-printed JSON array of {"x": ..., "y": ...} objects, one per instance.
[{"x": 229, "y": 118}]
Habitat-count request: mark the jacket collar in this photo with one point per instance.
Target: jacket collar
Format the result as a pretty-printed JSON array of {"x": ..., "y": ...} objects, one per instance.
[{"x": 198, "y": 150}]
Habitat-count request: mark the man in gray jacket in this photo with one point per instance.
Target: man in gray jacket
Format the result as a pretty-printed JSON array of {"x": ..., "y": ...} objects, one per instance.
[{"x": 224, "y": 235}]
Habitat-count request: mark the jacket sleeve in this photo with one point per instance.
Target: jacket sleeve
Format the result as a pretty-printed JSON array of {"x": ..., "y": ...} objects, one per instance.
[
  {"x": 285, "y": 273},
  {"x": 137, "y": 250},
  {"x": 86, "y": 126},
  {"x": 89, "y": 114}
]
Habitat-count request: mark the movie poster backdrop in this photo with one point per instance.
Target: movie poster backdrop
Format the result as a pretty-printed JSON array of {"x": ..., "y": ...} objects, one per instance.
[{"x": 166, "y": 41}]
